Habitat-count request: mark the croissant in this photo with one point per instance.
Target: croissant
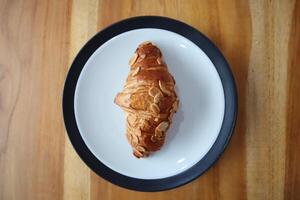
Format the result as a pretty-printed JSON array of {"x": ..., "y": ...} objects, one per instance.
[{"x": 148, "y": 100}]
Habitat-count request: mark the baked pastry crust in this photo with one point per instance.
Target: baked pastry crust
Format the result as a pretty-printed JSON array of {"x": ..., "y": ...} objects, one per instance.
[{"x": 148, "y": 100}]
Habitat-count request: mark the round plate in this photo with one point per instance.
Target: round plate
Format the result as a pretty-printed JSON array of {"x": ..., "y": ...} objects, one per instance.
[{"x": 200, "y": 130}]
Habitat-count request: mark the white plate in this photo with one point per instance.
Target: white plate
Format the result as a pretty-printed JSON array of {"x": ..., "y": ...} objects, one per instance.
[{"x": 195, "y": 127}]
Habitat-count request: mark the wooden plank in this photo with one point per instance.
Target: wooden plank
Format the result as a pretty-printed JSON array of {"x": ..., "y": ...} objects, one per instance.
[
  {"x": 83, "y": 26},
  {"x": 292, "y": 175},
  {"x": 265, "y": 138},
  {"x": 33, "y": 58}
]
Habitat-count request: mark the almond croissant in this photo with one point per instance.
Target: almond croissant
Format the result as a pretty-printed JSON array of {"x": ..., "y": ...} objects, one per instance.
[{"x": 148, "y": 99}]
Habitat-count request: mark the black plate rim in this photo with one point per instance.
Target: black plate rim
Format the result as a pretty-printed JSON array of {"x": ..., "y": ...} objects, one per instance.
[{"x": 222, "y": 67}]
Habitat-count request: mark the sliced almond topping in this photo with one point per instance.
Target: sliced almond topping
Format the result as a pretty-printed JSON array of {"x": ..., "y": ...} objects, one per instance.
[
  {"x": 161, "y": 129},
  {"x": 156, "y": 119},
  {"x": 163, "y": 126},
  {"x": 158, "y": 97},
  {"x": 144, "y": 124},
  {"x": 137, "y": 154},
  {"x": 175, "y": 105},
  {"x": 143, "y": 56},
  {"x": 153, "y": 91},
  {"x": 145, "y": 43},
  {"x": 158, "y": 133},
  {"x": 155, "y": 68},
  {"x": 138, "y": 132},
  {"x": 153, "y": 138},
  {"x": 159, "y": 61},
  {"x": 155, "y": 108},
  {"x": 123, "y": 99},
  {"x": 133, "y": 59},
  {"x": 160, "y": 138},
  {"x": 171, "y": 115},
  {"x": 131, "y": 119},
  {"x": 163, "y": 88},
  {"x": 141, "y": 149},
  {"x": 136, "y": 71},
  {"x": 134, "y": 140},
  {"x": 129, "y": 128}
]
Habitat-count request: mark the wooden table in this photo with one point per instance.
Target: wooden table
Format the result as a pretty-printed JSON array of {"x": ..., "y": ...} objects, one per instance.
[{"x": 39, "y": 39}]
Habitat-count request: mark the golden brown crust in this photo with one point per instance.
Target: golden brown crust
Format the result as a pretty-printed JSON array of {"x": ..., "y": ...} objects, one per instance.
[{"x": 148, "y": 99}]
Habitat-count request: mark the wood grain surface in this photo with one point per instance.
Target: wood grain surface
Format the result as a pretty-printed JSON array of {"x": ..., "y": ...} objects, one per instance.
[{"x": 259, "y": 38}]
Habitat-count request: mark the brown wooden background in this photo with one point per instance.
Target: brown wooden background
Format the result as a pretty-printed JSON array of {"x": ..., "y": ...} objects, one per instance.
[{"x": 39, "y": 39}]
